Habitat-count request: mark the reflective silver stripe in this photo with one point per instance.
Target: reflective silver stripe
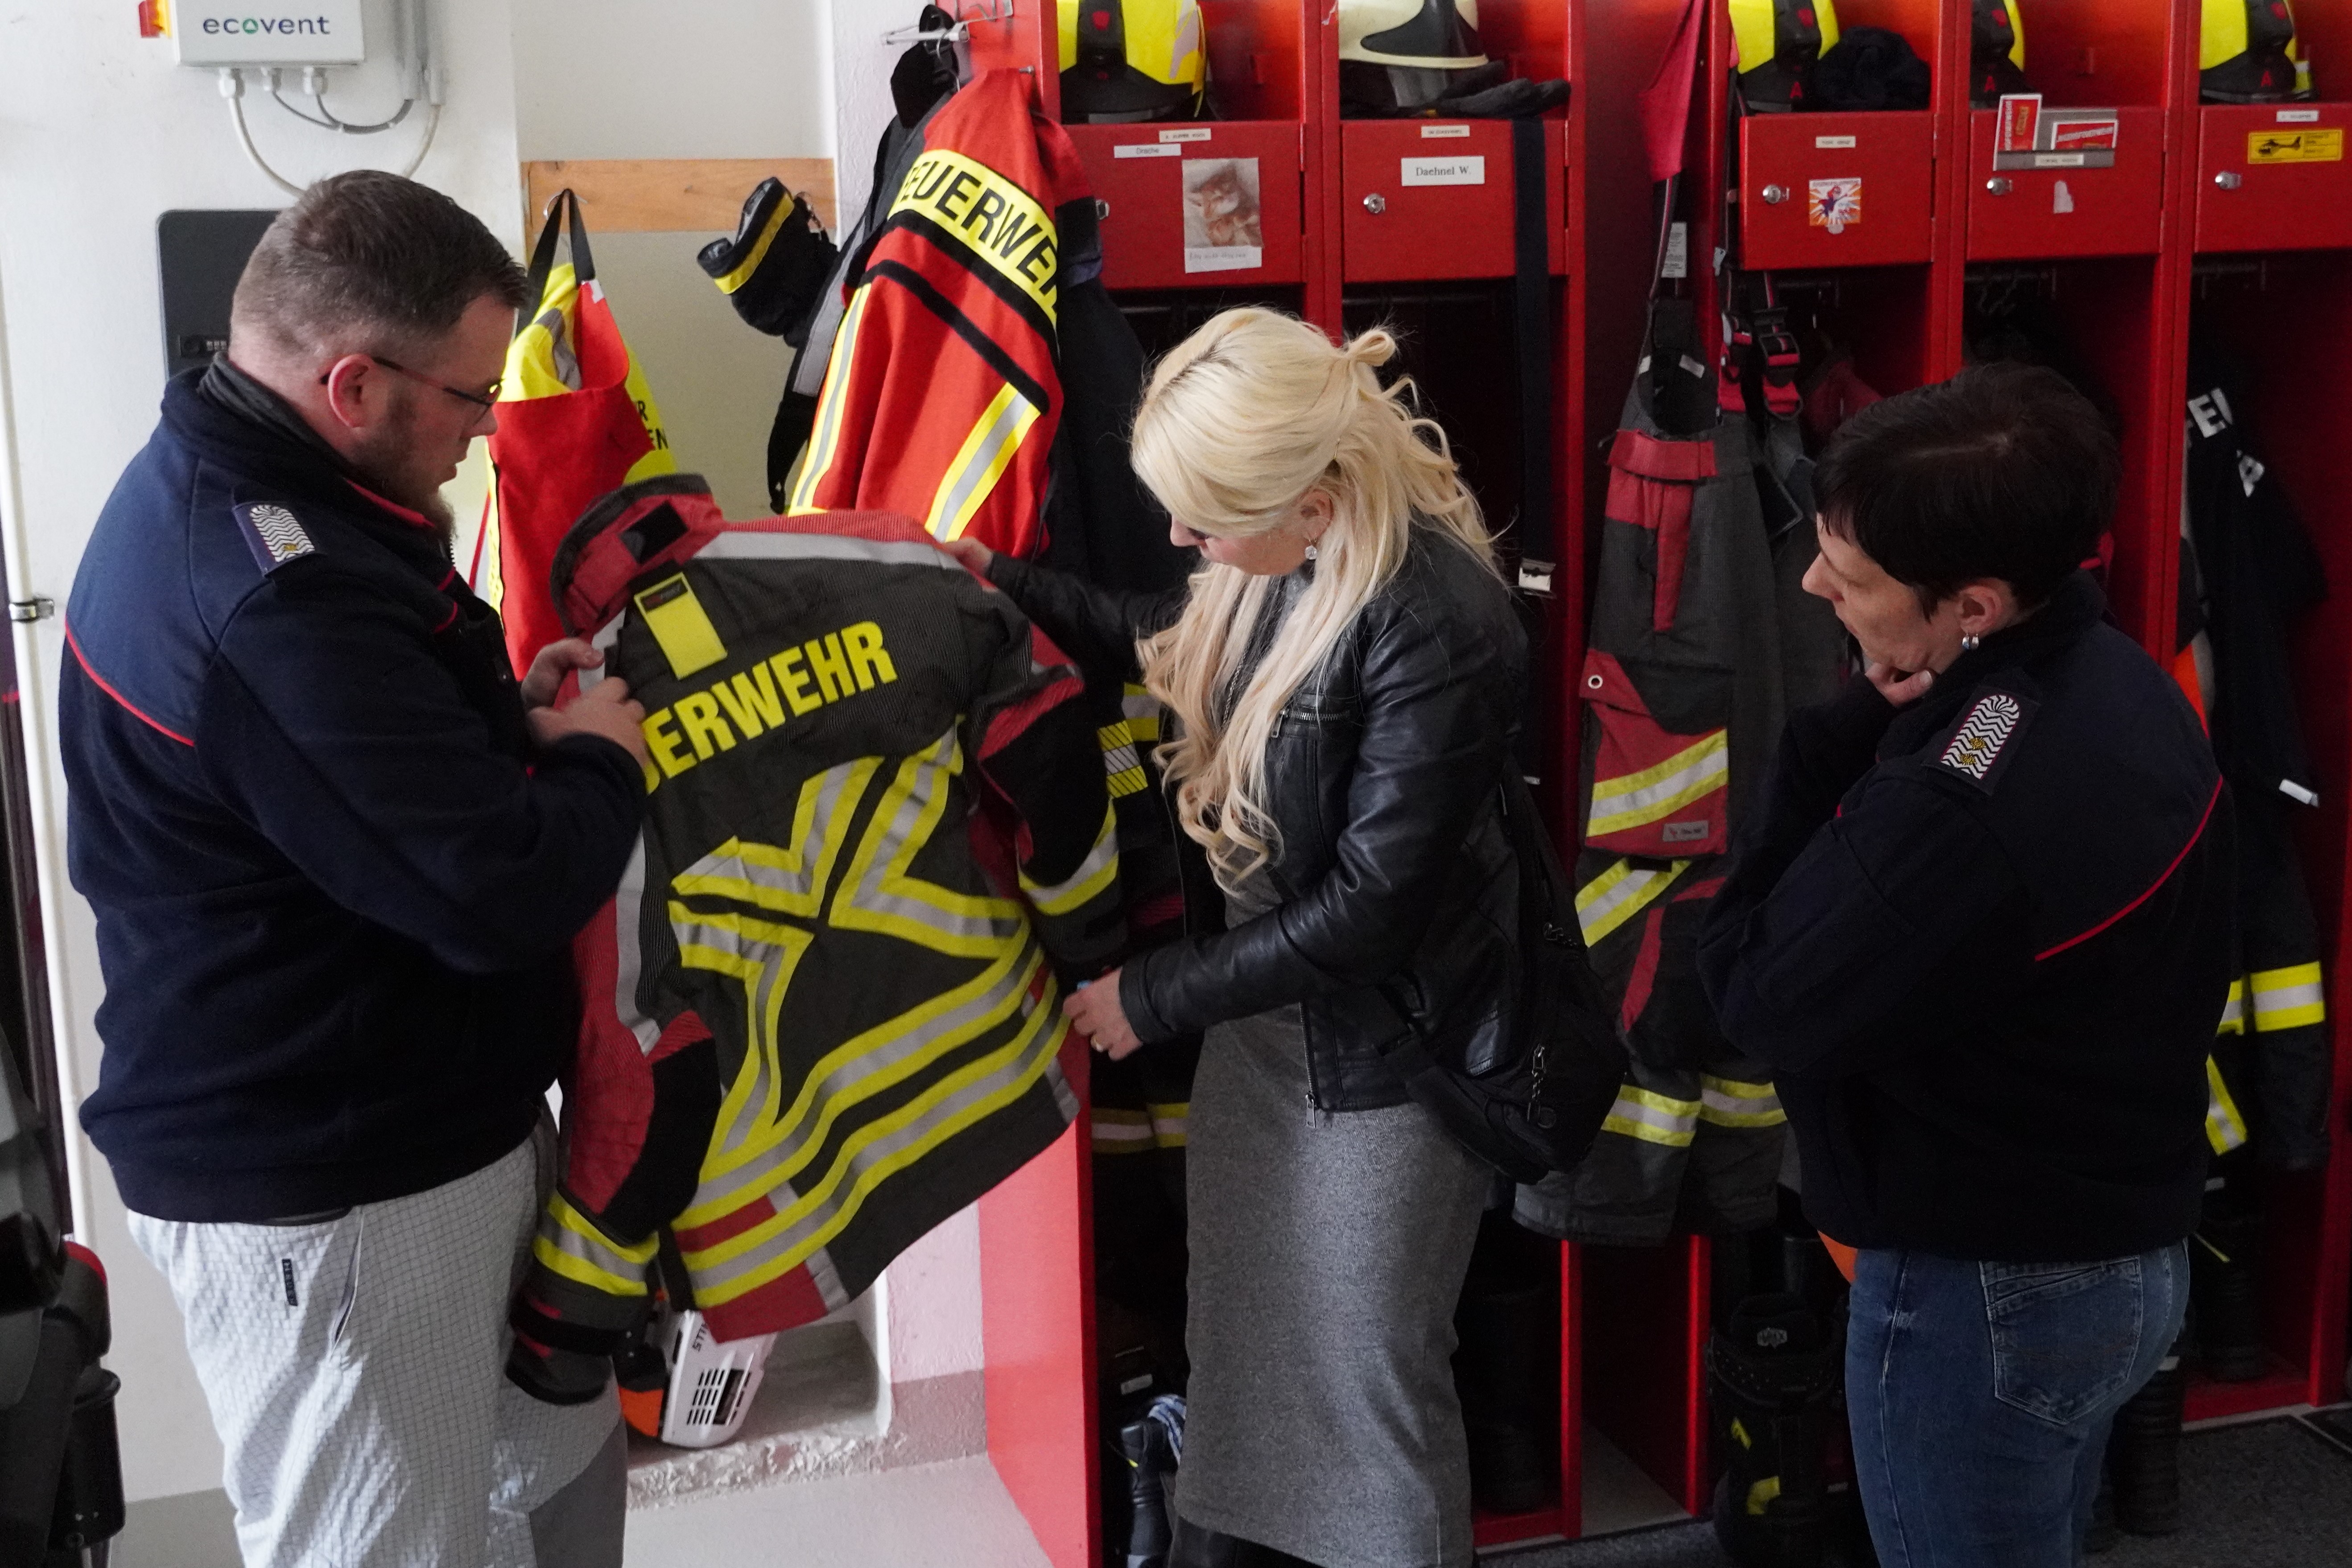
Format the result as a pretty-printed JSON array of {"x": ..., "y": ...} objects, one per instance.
[
  {"x": 1073, "y": 892},
  {"x": 2289, "y": 998},
  {"x": 926, "y": 776},
  {"x": 1653, "y": 1118},
  {"x": 846, "y": 1178},
  {"x": 984, "y": 461},
  {"x": 781, "y": 888},
  {"x": 2234, "y": 1011},
  {"x": 751, "y": 544},
  {"x": 628, "y": 915},
  {"x": 817, "y": 1108},
  {"x": 774, "y": 960},
  {"x": 1727, "y": 1102},
  {"x": 1620, "y": 893}
]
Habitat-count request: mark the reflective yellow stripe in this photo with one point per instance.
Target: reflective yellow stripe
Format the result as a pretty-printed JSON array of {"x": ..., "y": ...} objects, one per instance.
[
  {"x": 1727, "y": 1102},
  {"x": 1171, "y": 1124},
  {"x": 1653, "y": 1118},
  {"x": 986, "y": 452},
  {"x": 1620, "y": 893},
  {"x": 2234, "y": 1011},
  {"x": 2225, "y": 1129},
  {"x": 825, "y": 437},
  {"x": 2288, "y": 998},
  {"x": 1118, "y": 1132},
  {"x": 570, "y": 1244},
  {"x": 1122, "y": 764},
  {"x": 1632, "y": 800},
  {"x": 1142, "y": 710},
  {"x": 750, "y": 264},
  {"x": 999, "y": 222},
  {"x": 1097, "y": 871}
]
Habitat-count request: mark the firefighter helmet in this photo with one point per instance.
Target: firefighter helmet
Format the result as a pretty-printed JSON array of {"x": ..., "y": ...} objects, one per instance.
[
  {"x": 1125, "y": 60},
  {"x": 1996, "y": 52},
  {"x": 1404, "y": 54},
  {"x": 1779, "y": 42},
  {"x": 2247, "y": 53}
]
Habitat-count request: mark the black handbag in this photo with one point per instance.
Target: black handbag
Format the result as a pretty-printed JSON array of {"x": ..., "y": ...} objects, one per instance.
[{"x": 1539, "y": 1106}]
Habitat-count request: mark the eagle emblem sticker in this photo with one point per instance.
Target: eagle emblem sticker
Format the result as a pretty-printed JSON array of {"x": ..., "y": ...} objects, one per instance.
[
  {"x": 274, "y": 534},
  {"x": 1834, "y": 204},
  {"x": 1979, "y": 746}
]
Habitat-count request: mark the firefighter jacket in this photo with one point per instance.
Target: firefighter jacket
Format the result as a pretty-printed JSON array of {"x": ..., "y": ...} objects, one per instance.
[
  {"x": 2259, "y": 575},
  {"x": 1977, "y": 942},
  {"x": 942, "y": 396},
  {"x": 1702, "y": 638},
  {"x": 334, "y": 877},
  {"x": 824, "y": 1011},
  {"x": 1399, "y": 881}
]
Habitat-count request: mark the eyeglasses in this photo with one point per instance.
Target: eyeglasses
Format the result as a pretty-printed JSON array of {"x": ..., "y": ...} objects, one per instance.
[{"x": 486, "y": 401}]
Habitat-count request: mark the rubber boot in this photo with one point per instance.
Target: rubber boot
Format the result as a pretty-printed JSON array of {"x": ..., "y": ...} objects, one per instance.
[
  {"x": 2144, "y": 1453},
  {"x": 1773, "y": 1374},
  {"x": 1506, "y": 1372},
  {"x": 2224, "y": 1286},
  {"x": 1150, "y": 1445}
]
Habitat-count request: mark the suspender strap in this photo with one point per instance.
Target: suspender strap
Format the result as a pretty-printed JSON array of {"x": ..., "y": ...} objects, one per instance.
[{"x": 1531, "y": 313}]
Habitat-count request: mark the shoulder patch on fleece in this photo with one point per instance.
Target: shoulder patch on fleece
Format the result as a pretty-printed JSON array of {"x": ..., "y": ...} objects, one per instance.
[
  {"x": 274, "y": 534},
  {"x": 1981, "y": 748}
]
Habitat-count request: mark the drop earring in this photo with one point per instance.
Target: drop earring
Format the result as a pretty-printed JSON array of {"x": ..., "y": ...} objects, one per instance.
[
  {"x": 1970, "y": 644},
  {"x": 1310, "y": 553}
]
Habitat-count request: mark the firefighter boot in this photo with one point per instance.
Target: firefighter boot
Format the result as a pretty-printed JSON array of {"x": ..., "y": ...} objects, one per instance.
[
  {"x": 1150, "y": 1445},
  {"x": 1772, "y": 1377},
  {"x": 1506, "y": 1371},
  {"x": 2144, "y": 1453},
  {"x": 2223, "y": 1255}
]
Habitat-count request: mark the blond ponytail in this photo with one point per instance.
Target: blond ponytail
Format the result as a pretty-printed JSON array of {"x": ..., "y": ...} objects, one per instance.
[{"x": 1241, "y": 421}]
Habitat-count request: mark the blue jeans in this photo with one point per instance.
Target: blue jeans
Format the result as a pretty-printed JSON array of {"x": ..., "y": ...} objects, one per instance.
[{"x": 1981, "y": 1394}]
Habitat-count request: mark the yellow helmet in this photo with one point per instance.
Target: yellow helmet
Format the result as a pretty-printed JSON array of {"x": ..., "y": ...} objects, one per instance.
[
  {"x": 1125, "y": 60},
  {"x": 1996, "y": 52},
  {"x": 2247, "y": 53},
  {"x": 1779, "y": 42}
]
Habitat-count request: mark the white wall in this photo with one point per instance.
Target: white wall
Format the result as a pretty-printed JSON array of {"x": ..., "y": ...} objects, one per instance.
[{"x": 100, "y": 132}]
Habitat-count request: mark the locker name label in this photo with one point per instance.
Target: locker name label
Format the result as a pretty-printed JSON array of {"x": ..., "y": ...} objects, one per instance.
[
  {"x": 2316, "y": 145},
  {"x": 2298, "y": 117},
  {"x": 1186, "y": 133},
  {"x": 1460, "y": 170},
  {"x": 1832, "y": 143},
  {"x": 1147, "y": 149},
  {"x": 1438, "y": 132}
]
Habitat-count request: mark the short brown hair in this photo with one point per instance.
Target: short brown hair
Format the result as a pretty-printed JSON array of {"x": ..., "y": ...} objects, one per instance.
[{"x": 371, "y": 253}]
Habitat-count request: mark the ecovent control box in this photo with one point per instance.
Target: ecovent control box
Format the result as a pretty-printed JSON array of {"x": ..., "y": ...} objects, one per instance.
[{"x": 218, "y": 33}]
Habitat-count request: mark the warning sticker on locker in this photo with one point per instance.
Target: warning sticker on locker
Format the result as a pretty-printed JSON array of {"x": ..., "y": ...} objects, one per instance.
[
  {"x": 1458, "y": 171},
  {"x": 2317, "y": 145},
  {"x": 1224, "y": 228},
  {"x": 1834, "y": 204}
]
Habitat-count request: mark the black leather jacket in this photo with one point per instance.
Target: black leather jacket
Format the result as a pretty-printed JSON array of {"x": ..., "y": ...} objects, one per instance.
[{"x": 1399, "y": 888}]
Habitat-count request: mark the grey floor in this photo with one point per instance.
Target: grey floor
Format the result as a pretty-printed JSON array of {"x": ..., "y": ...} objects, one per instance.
[{"x": 2274, "y": 1494}]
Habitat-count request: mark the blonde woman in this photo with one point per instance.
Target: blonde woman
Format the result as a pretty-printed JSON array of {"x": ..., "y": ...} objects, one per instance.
[{"x": 1344, "y": 669}]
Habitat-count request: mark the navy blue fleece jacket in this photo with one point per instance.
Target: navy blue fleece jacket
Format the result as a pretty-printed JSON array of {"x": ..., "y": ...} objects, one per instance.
[{"x": 335, "y": 883}]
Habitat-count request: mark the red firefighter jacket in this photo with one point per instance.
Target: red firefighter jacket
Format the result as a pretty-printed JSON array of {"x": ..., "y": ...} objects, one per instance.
[{"x": 941, "y": 396}]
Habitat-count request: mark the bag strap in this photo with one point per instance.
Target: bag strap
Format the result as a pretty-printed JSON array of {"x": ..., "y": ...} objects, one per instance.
[
  {"x": 1665, "y": 109},
  {"x": 562, "y": 210}
]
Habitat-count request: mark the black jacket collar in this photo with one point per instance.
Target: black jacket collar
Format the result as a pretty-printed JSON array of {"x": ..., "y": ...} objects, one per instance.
[{"x": 2077, "y": 607}]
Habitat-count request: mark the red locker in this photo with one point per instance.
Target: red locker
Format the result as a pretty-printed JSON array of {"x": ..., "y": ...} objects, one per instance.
[
  {"x": 2061, "y": 208},
  {"x": 2273, "y": 177},
  {"x": 1836, "y": 190},
  {"x": 1427, "y": 199},
  {"x": 1147, "y": 177}
]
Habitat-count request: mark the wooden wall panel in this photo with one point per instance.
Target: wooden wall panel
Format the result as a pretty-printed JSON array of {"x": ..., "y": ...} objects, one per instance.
[{"x": 634, "y": 196}]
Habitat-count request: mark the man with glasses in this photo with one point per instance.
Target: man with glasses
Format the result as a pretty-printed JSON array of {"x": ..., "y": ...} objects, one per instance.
[{"x": 337, "y": 854}]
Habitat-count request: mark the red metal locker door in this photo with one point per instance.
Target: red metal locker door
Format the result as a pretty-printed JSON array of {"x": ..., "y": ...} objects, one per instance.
[
  {"x": 1432, "y": 199},
  {"x": 1836, "y": 190},
  {"x": 2027, "y": 213},
  {"x": 1037, "y": 1284},
  {"x": 2274, "y": 177},
  {"x": 1238, "y": 180}
]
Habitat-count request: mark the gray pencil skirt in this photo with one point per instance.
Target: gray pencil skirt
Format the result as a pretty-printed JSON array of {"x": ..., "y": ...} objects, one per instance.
[{"x": 1328, "y": 1254}]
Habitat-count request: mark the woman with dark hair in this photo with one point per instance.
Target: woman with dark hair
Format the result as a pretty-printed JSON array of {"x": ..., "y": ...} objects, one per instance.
[{"x": 1980, "y": 928}]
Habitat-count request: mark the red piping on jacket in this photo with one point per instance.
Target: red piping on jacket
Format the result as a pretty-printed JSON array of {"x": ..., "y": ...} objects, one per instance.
[
  {"x": 100, "y": 682},
  {"x": 2169, "y": 870}
]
